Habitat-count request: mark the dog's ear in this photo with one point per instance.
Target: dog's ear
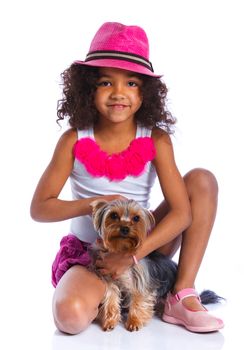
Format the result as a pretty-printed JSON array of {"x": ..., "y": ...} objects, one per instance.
[
  {"x": 98, "y": 209},
  {"x": 150, "y": 219},
  {"x": 97, "y": 204}
]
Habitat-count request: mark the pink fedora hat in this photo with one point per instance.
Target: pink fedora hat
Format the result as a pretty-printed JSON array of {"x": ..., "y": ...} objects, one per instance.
[{"x": 119, "y": 46}]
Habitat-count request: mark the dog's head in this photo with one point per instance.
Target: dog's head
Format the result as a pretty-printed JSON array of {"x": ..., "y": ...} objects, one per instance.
[{"x": 122, "y": 224}]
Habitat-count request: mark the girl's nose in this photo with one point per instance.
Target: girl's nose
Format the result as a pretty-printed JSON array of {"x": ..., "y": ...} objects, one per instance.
[{"x": 118, "y": 91}]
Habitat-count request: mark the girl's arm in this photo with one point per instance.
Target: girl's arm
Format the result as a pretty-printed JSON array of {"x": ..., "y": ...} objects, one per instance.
[
  {"x": 175, "y": 194},
  {"x": 45, "y": 205}
]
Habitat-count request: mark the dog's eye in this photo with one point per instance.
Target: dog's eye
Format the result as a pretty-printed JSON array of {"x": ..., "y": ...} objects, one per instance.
[
  {"x": 136, "y": 218},
  {"x": 114, "y": 216}
]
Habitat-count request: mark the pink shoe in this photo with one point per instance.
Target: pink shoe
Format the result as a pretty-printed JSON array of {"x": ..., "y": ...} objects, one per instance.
[{"x": 195, "y": 321}]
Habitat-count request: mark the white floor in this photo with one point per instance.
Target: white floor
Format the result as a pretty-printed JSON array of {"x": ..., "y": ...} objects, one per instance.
[{"x": 157, "y": 335}]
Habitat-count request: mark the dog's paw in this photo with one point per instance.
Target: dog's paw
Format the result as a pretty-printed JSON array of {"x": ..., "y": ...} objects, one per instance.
[
  {"x": 109, "y": 325},
  {"x": 133, "y": 325}
]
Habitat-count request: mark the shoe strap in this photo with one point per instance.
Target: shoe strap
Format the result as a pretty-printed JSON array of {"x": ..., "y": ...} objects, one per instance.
[{"x": 184, "y": 293}]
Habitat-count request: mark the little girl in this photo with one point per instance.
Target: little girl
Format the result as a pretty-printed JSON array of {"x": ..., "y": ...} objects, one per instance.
[{"x": 117, "y": 144}]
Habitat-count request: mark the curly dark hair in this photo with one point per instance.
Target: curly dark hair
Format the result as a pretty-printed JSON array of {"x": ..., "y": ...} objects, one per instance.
[{"x": 77, "y": 104}]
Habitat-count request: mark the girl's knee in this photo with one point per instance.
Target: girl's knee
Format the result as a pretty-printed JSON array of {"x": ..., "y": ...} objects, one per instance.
[
  {"x": 201, "y": 180},
  {"x": 72, "y": 315}
]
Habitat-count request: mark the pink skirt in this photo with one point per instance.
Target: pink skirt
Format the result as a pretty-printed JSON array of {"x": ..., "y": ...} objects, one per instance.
[{"x": 72, "y": 252}]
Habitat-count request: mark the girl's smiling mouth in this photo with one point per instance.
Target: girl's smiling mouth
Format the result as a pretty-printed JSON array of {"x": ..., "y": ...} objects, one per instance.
[{"x": 117, "y": 106}]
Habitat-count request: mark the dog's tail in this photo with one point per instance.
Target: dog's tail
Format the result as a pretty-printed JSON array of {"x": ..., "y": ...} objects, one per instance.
[{"x": 210, "y": 297}]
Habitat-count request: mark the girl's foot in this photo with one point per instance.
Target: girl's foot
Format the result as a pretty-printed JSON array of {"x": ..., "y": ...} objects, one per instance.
[
  {"x": 193, "y": 303},
  {"x": 191, "y": 314}
]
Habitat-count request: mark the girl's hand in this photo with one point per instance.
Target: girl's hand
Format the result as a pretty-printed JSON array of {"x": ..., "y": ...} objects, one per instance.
[{"x": 114, "y": 264}]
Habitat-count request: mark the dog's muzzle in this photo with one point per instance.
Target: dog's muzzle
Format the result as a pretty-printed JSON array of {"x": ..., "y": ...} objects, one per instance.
[{"x": 124, "y": 230}]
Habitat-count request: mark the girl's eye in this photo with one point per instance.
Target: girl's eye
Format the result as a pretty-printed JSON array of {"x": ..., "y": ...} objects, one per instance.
[
  {"x": 132, "y": 84},
  {"x": 114, "y": 216},
  {"x": 136, "y": 218},
  {"x": 104, "y": 83}
]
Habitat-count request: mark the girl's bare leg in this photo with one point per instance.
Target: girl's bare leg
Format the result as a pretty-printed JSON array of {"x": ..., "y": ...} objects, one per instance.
[
  {"x": 76, "y": 300},
  {"x": 202, "y": 189}
]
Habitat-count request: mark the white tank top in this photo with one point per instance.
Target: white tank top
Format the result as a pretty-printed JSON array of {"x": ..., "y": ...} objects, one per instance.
[{"x": 85, "y": 185}]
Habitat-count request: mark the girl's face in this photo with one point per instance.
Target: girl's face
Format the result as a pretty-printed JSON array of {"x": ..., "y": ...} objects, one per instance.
[{"x": 118, "y": 95}]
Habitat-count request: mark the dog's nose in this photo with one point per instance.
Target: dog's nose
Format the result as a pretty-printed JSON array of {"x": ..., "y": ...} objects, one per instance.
[{"x": 124, "y": 230}]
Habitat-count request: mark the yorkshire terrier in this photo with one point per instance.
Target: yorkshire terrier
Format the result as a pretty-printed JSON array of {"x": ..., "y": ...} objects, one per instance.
[{"x": 123, "y": 225}]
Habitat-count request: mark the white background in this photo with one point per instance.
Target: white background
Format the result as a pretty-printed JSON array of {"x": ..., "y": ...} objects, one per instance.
[{"x": 198, "y": 46}]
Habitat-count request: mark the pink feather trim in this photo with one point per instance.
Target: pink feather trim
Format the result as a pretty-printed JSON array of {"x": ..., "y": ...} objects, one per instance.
[{"x": 117, "y": 166}]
